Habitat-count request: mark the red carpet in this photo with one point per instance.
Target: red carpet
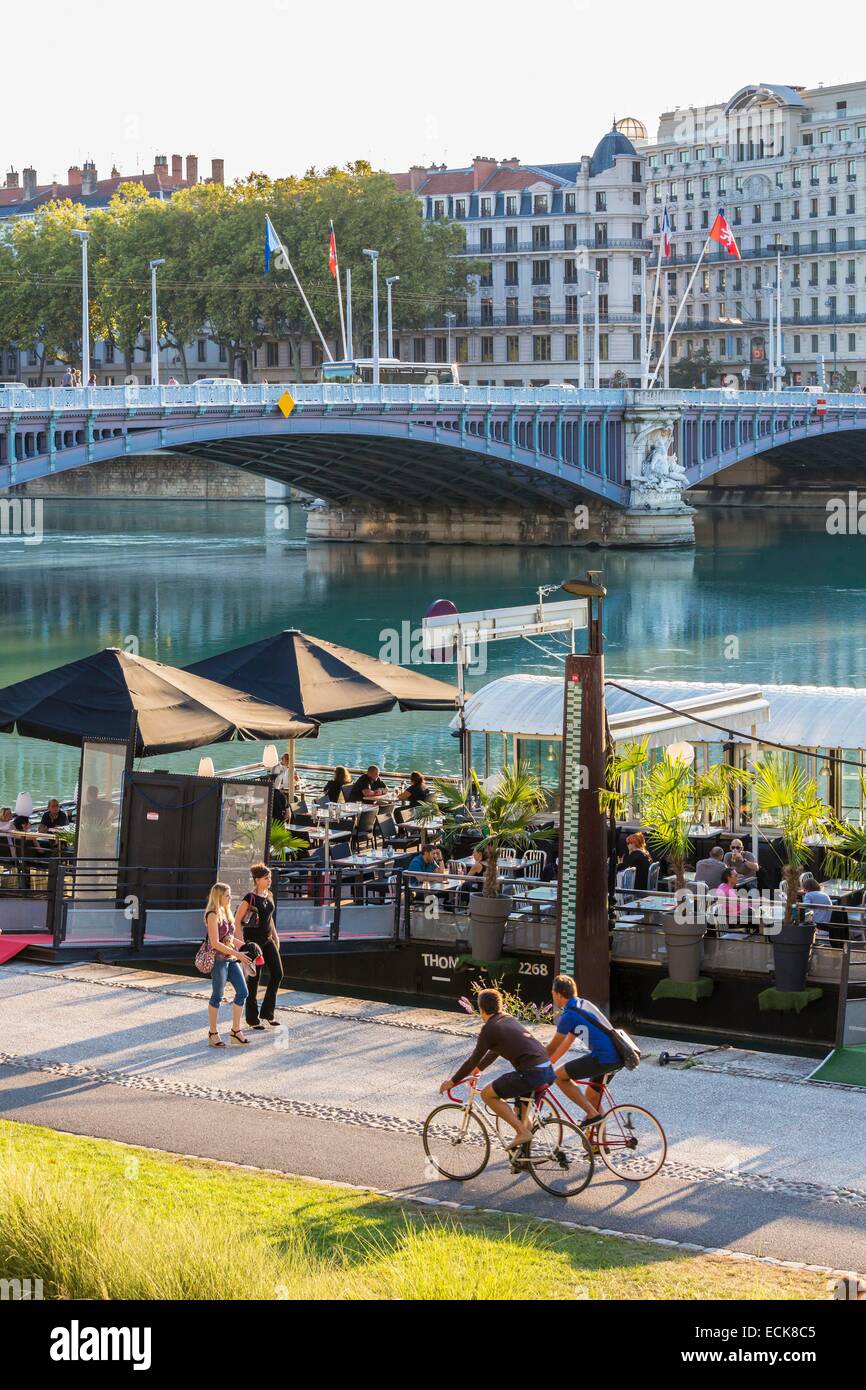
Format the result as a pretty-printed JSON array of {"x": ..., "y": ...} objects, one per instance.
[{"x": 11, "y": 945}]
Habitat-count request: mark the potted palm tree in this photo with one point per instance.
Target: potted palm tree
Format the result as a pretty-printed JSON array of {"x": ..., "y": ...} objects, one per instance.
[
  {"x": 784, "y": 793},
  {"x": 503, "y": 811}
]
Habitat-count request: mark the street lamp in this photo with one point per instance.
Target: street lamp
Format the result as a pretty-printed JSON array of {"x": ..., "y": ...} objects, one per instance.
[
  {"x": 154, "y": 324},
  {"x": 450, "y": 320},
  {"x": 85, "y": 308},
  {"x": 374, "y": 257},
  {"x": 831, "y": 305},
  {"x": 596, "y": 335},
  {"x": 779, "y": 248},
  {"x": 390, "y": 281}
]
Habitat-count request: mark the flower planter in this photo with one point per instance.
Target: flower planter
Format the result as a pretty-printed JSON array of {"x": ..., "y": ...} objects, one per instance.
[
  {"x": 683, "y": 942},
  {"x": 488, "y": 917},
  {"x": 792, "y": 946}
]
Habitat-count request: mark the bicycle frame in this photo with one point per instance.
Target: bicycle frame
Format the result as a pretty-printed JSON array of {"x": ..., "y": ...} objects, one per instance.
[{"x": 482, "y": 1113}]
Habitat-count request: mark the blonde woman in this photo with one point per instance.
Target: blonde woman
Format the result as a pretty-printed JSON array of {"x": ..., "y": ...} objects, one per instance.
[{"x": 220, "y": 934}]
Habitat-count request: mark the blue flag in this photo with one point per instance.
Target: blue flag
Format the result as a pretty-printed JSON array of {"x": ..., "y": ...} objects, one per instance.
[{"x": 272, "y": 244}]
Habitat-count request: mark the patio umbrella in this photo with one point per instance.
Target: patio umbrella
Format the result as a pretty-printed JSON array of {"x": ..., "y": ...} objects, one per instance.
[
  {"x": 97, "y": 696},
  {"x": 323, "y": 681}
]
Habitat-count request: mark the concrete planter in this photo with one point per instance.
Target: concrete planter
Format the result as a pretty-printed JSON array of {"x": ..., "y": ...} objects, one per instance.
[
  {"x": 792, "y": 946},
  {"x": 683, "y": 941},
  {"x": 488, "y": 917}
]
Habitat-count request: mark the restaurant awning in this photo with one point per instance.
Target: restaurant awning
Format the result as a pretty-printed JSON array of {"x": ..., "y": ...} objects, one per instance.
[
  {"x": 96, "y": 697},
  {"x": 322, "y": 680}
]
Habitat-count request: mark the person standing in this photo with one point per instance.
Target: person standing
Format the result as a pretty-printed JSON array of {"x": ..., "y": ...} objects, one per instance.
[
  {"x": 68, "y": 378},
  {"x": 256, "y": 917},
  {"x": 226, "y": 966}
]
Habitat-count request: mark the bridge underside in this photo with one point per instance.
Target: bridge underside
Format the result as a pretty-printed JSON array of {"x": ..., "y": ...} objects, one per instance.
[{"x": 385, "y": 472}]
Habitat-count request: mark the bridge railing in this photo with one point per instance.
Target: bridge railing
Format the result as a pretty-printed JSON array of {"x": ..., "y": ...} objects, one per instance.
[{"x": 262, "y": 396}]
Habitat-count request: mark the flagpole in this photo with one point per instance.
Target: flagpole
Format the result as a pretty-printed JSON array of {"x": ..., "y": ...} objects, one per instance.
[
  {"x": 287, "y": 259},
  {"x": 670, "y": 332},
  {"x": 666, "y": 320},
  {"x": 339, "y": 292},
  {"x": 655, "y": 299},
  {"x": 350, "y": 346}
]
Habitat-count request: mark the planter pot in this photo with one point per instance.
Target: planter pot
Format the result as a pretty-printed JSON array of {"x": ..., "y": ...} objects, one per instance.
[
  {"x": 792, "y": 945},
  {"x": 488, "y": 917},
  {"x": 683, "y": 942}
]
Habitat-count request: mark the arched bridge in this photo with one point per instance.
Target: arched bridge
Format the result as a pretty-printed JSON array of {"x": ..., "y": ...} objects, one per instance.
[{"x": 398, "y": 446}]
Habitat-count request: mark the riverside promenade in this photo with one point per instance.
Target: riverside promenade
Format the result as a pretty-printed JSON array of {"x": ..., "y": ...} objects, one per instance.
[{"x": 760, "y": 1161}]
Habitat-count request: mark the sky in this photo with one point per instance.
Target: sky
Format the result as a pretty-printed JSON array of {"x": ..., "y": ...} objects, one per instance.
[{"x": 278, "y": 86}]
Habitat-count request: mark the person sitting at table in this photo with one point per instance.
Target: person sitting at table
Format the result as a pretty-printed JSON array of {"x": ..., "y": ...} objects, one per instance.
[
  {"x": 427, "y": 860},
  {"x": 369, "y": 787},
  {"x": 7, "y": 823},
  {"x": 741, "y": 859},
  {"x": 710, "y": 871},
  {"x": 417, "y": 790},
  {"x": 815, "y": 897},
  {"x": 637, "y": 857},
  {"x": 473, "y": 877},
  {"x": 335, "y": 788},
  {"x": 53, "y": 818},
  {"x": 726, "y": 897}
]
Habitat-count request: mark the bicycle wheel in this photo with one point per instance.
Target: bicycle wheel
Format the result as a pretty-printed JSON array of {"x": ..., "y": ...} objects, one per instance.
[
  {"x": 546, "y": 1110},
  {"x": 631, "y": 1142},
  {"x": 456, "y": 1142},
  {"x": 560, "y": 1158}
]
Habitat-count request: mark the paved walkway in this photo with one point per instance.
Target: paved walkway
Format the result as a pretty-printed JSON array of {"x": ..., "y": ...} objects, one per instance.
[{"x": 760, "y": 1160}]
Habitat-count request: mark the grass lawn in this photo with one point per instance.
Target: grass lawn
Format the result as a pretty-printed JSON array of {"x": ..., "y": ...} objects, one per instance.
[{"x": 94, "y": 1219}]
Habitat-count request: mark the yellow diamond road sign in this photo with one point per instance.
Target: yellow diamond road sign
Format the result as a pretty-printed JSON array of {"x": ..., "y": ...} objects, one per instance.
[{"x": 286, "y": 403}]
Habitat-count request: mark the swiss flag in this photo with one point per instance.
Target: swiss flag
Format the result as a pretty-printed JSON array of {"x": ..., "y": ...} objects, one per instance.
[
  {"x": 721, "y": 232},
  {"x": 332, "y": 255}
]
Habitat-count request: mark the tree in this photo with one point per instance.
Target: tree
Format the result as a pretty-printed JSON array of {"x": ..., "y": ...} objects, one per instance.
[
  {"x": 784, "y": 792},
  {"x": 46, "y": 293},
  {"x": 696, "y": 371},
  {"x": 124, "y": 238}
]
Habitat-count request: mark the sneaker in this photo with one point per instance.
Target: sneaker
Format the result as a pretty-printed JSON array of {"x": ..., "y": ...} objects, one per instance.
[{"x": 589, "y": 1120}]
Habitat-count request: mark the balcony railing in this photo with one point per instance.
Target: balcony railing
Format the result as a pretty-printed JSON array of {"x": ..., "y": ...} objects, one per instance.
[{"x": 499, "y": 248}]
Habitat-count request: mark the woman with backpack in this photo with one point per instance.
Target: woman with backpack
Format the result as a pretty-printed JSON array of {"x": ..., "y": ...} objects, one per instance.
[
  {"x": 226, "y": 964},
  {"x": 256, "y": 919}
]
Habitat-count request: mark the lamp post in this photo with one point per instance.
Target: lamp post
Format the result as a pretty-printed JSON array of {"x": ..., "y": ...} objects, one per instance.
[
  {"x": 154, "y": 323},
  {"x": 831, "y": 305},
  {"x": 85, "y": 308},
  {"x": 390, "y": 281},
  {"x": 374, "y": 257},
  {"x": 780, "y": 369},
  {"x": 450, "y": 320},
  {"x": 596, "y": 335}
]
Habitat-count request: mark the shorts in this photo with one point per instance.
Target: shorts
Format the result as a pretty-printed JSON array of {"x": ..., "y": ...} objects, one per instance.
[
  {"x": 514, "y": 1085},
  {"x": 589, "y": 1068}
]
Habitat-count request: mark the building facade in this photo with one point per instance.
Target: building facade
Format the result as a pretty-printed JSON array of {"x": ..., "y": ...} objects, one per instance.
[
  {"x": 542, "y": 233},
  {"x": 788, "y": 166}
]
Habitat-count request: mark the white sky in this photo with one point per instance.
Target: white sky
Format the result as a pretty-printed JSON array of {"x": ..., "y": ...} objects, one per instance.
[{"x": 278, "y": 85}]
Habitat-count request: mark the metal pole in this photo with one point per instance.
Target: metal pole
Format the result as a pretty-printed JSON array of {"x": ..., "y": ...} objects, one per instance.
[
  {"x": 596, "y": 335},
  {"x": 154, "y": 324},
  {"x": 581, "y": 346},
  {"x": 450, "y": 320},
  {"x": 779, "y": 367},
  {"x": 643, "y": 333},
  {"x": 666, "y": 318},
  {"x": 85, "y": 310},
  {"x": 350, "y": 347},
  {"x": 390, "y": 282},
  {"x": 374, "y": 257},
  {"x": 771, "y": 340}
]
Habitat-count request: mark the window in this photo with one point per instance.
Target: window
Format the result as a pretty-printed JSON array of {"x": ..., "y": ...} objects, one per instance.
[
  {"x": 540, "y": 238},
  {"x": 487, "y": 275},
  {"x": 636, "y": 171},
  {"x": 797, "y": 343},
  {"x": 201, "y": 350},
  {"x": 602, "y": 307},
  {"x": 419, "y": 349},
  {"x": 541, "y": 272},
  {"x": 486, "y": 207},
  {"x": 511, "y": 238},
  {"x": 601, "y": 234},
  {"x": 722, "y": 186},
  {"x": 813, "y": 207},
  {"x": 571, "y": 202},
  {"x": 572, "y": 347},
  {"x": 777, "y": 212},
  {"x": 851, "y": 205},
  {"x": 833, "y": 171},
  {"x": 540, "y": 308},
  {"x": 851, "y": 169},
  {"x": 569, "y": 271},
  {"x": 852, "y": 342},
  {"x": 273, "y": 354},
  {"x": 832, "y": 206},
  {"x": 540, "y": 203},
  {"x": 796, "y": 178},
  {"x": 512, "y": 310},
  {"x": 603, "y": 347},
  {"x": 571, "y": 309},
  {"x": 487, "y": 311},
  {"x": 636, "y": 264},
  {"x": 109, "y": 354},
  {"x": 440, "y": 350},
  {"x": 541, "y": 347},
  {"x": 512, "y": 348},
  {"x": 461, "y": 349},
  {"x": 795, "y": 210},
  {"x": 486, "y": 349},
  {"x": 637, "y": 231},
  {"x": 756, "y": 212},
  {"x": 636, "y": 304},
  {"x": 512, "y": 272},
  {"x": 485, "y": 239},
  {"x": 459, "y": 207},
  {"x": 635, "y": 347},
  {"x": 601, "y": 202},
  {"x": 814, "y": 342},
  {"x": 438, "y": 208}
]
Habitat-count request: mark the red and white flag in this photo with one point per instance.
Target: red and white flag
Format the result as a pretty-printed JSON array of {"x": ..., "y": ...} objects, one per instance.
[
  {"x": 721, "y": 232},
  {"x": 332, "y": 254}
]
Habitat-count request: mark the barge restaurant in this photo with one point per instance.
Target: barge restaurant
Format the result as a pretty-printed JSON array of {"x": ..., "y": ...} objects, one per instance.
[{"x": 519, "y": 719}]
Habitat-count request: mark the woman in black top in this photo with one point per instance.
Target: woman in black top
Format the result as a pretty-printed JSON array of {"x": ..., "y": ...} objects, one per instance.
[
  {"x": 335, "y": 788},
  {"x": 417, "y": 790},
  {"x": 637, "y": 857},
  {"x": 259, "y": 907}
]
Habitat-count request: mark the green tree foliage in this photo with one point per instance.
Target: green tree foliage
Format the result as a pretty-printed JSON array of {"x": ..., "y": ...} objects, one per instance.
[{"x": 691, "y": 373}]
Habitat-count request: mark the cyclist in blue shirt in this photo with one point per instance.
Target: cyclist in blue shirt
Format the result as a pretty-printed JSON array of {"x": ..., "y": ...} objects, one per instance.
[{"x": 599, "y": 1058}]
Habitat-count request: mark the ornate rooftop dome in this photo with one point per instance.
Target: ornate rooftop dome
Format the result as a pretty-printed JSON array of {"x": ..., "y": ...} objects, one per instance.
[
  {"x": 631, "y": 128},
  {"x": 607, "y": 149}
]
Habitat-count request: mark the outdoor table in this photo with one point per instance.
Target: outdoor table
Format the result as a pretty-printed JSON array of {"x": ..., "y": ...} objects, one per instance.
[
  {"x": 537, "y": 897},
  {"x": 431, "y": 826}
]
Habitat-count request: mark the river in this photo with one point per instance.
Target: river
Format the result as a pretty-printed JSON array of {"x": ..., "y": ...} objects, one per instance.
[{"x": 763, "y": 596}]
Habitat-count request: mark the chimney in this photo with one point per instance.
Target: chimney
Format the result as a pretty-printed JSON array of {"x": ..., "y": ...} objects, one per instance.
[
  {"x": 88, "y": 177},
  {"x": 115, "y": 172},
  {"x": 12, "y": 178},
  {"x": 29, "y": 176},
  {"x": 217, "y": 171},
  {"x": 176, "y": 168},
  {"x": 192, "y": 168},
  {"x": 73, "y": 176},
  {"x": 417, "y": 175},
  {"x": 160, "y": 168},
  {"x": 482, "y": 167}
]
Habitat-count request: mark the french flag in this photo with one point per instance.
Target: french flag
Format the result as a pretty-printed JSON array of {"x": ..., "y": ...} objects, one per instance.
[{"x": 666, "y": 233}]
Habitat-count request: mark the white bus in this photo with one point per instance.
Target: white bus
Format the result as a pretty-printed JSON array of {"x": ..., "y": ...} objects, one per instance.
[{"x": 391, "y": 373}]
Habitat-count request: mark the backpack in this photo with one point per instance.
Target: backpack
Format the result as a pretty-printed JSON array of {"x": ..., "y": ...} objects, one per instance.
[{"x": 626, "y": 1047}]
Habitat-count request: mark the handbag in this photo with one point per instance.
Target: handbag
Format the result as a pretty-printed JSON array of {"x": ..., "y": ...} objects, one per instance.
[
  {"x": 251, "y": 921},
  {"x": 205, "y": 957}
]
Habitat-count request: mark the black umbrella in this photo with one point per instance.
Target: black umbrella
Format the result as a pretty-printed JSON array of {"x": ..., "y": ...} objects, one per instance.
[
  {"x": 323, "y": 681},
  {"x": 97, "y": 696}
]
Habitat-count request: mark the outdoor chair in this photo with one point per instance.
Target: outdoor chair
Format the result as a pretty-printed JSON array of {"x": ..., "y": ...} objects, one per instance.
[
  {"x": 402, "y": 814},
  {"x": 366, "y": 829},
  {"x": 624, "y": 886},
  {"x": 652, "y": 882},
  {"x": 389, "y": 833},
  {"x": 533, "y": 863}
]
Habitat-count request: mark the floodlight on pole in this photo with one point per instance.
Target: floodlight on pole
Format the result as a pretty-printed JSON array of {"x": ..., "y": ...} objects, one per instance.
[
  {"x": 85, "y": 307},
  {"x": 374, "y": 257},
  {"x": 390, "y": 281},
  {"x": 154, "y": 323}
]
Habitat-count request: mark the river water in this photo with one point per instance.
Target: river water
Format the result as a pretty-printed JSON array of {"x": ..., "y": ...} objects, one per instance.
[{"x": 762, "y": 597}]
